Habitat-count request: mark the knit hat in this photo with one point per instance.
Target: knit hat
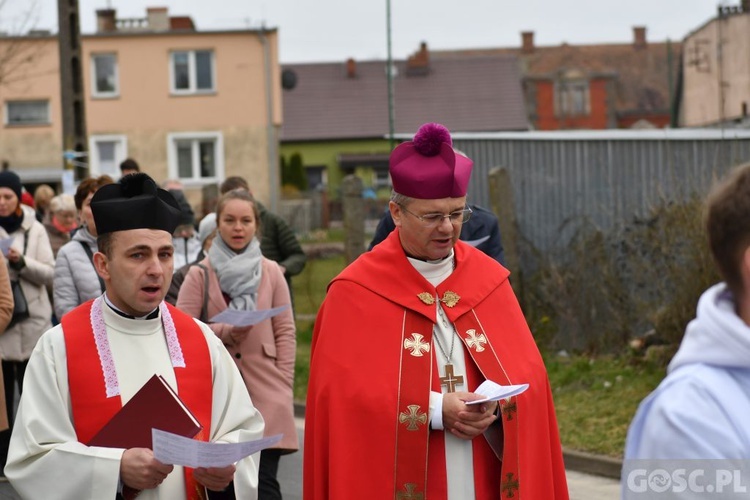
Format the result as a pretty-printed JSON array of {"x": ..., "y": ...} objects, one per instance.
[
  {"x": 428, "y": 168},
  {"x": 207, "y": 226},
  {"x": 10, "y": 180},
  {"x": 134, "y": 203}
]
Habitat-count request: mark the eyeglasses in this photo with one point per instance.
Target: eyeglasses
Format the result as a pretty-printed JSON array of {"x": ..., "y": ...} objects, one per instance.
[{"x": 434, "y": 220}]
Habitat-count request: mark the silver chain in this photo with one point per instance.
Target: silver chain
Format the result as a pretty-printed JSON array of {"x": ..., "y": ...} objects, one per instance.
[{"x": 448, "y": 356}]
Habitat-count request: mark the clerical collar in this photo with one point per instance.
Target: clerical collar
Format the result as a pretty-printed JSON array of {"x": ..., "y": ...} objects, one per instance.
[
  {"x": 435, "y": 271},
  {"x": 152, "y": 315}
]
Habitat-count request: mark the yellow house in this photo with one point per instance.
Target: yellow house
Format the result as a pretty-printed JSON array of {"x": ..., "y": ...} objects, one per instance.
[{"x": 191, "y": 105}]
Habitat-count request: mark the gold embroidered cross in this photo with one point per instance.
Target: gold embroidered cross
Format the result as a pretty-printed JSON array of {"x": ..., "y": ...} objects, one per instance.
[
  {"x": 413, "y": 418},
  {"x": 475, "y": 341},
  {"x": 409, "y": 493},
  {"x": 416, "y": 345},
  {"x": 510, "y": 485}
]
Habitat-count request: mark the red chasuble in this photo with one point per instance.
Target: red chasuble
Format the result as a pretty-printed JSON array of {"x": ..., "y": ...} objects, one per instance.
[
  {"x": 372, "y": 368},
  {"x": 91, "y": 407}
]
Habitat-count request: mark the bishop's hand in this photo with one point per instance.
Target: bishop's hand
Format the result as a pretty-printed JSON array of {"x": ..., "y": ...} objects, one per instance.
[{"x": 467, "y": 421}]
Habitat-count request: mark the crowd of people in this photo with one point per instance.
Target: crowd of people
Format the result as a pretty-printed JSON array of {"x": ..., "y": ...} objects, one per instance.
[{"x": 103, "y": 289}]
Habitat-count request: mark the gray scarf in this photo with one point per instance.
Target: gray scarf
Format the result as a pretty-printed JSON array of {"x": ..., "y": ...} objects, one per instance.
[{"x": 239, "y": 273}]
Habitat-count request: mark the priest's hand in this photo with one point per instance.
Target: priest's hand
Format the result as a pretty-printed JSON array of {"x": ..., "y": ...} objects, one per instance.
[
  {"x": 467, "y": 421},
  {"x": 141, "y": 471},
  {"x": 214, "y": 478}
]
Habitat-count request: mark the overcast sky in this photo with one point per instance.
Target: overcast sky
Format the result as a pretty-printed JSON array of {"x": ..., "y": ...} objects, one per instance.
[{"x": 331, "y": 30}]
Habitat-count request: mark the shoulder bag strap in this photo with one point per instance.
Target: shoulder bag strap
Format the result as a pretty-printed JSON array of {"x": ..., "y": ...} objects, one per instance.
[
  {"x": 87, "y": 249},
  {"x": 204, "y": 307}
]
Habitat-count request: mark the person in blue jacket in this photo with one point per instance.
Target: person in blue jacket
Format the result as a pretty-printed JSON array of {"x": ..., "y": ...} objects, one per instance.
[{"x": 481, "y": 231}]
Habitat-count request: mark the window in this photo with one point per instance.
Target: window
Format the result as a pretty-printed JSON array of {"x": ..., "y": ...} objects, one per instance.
[
  {"x": 192, "y": 72},
  {"x": 27, "y": 113},
  {"x": 106, "y": 152},
  {"x": 105, "y": 82},
  {"x": 572, "y": 94},
  {"x": 197, "y": 157}
]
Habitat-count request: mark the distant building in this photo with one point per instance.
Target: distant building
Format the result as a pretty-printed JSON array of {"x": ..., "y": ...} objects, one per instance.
[
  {"x": 716, "y": 69},
  {"x": 336, "y": 115},
  {"x": 598, "y": 86},
  {"x": 187, "y": 104}
]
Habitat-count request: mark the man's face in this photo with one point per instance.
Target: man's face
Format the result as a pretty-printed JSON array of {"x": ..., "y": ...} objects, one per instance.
[
  {"x": 428, "y": 243},
  {"x": 139, "y": 270}
]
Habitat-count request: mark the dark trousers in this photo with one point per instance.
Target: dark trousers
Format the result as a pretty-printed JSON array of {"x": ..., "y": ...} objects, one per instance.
[
  {"x": 268, "y": 486},
  {"x": 13, "y": 372}
]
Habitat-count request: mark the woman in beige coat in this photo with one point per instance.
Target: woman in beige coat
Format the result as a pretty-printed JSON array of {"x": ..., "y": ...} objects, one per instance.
[
  {"x": 30, "y": 262},
  {"x": 239, "y": 277}
]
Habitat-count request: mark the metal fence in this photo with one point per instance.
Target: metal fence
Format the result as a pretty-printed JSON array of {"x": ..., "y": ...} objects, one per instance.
[{"x": 561, "y": 180}]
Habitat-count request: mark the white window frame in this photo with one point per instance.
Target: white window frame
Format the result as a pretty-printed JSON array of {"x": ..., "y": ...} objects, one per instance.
[
  {"x": 6, "y": 117},
  {"x": 192, "y": 73},
  {"x": 95, "y": 93},
  {"x": 120, "y": 153},
  {"x": 196, "y": 179}
]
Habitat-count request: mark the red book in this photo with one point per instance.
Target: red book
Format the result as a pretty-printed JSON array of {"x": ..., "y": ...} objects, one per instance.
[{"x": 155, "y": 405}]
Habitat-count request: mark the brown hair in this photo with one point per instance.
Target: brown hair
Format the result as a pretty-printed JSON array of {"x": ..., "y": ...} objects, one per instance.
[
  {"x": 232, "y": 183},
  {"x": 727, "y": 222},
  {"x": 90, "y": 185}
]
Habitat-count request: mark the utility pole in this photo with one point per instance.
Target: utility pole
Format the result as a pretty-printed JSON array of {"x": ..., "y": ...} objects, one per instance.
[
  {"x": 74, "y": 137},
  {"x": 389, "y": 72}
]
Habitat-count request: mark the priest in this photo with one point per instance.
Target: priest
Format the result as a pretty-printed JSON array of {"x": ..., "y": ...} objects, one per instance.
[
  {"x": 404, "y": 337},
  {"x": 83, "y": 370}
]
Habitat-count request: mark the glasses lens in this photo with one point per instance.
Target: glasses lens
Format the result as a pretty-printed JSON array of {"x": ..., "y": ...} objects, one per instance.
[{"x": 466, "y": 214}]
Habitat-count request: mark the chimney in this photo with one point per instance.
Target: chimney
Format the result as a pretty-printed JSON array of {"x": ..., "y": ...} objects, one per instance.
[
  {"x": 527, "y": 42},
  {"x": 419, "y": 62},
  {"x": 158, "y": 18},
  {"x": 105, "y": 21},
  {"x": 639, "y": 37},
  {"x": 351, "y": 68}
]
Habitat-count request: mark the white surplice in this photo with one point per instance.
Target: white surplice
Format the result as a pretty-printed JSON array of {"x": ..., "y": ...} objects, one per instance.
[
  {"x": 459, "y": 459},
  {"x": 47, "y": 461}
]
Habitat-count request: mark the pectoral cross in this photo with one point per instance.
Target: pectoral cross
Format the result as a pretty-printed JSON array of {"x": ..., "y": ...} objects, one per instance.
[{"x": 451, "y": 381}]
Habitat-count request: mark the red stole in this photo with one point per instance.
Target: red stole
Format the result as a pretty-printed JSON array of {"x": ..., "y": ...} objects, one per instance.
[
  {"x": 91, "y": 407},
  {"x": 416, "y": 446}
]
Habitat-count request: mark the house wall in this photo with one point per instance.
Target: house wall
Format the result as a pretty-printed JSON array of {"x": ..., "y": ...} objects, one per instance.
[
  {"x": 145, "y": 112},
  {"x": 27, "y": 147},
  {"x": 237, "y": 109},
  {"x": 715, "y": 90}
]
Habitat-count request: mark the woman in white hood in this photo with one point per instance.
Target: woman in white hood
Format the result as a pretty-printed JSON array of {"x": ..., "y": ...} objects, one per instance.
[{"x": 701, "y": 410}]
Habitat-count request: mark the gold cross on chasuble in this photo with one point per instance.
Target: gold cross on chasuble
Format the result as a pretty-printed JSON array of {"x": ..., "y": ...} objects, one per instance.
[{"x": 451, "y": 381}]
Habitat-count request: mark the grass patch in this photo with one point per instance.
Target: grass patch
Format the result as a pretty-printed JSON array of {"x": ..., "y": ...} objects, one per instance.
[
  {"x": 309, "y": 288},
  {"x": 596, "y": 398}
]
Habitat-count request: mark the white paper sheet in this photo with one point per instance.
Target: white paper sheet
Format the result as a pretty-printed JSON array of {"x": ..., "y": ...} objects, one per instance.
[
  {"x": 5, "y": 244},
  {"x": 246, "y": 318},
  {"x": 178, "y": 450},
  {"x": 496, "y": 392}
]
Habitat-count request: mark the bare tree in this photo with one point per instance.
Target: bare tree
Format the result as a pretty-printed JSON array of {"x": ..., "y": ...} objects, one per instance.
[{"x": 18, "y": 48}]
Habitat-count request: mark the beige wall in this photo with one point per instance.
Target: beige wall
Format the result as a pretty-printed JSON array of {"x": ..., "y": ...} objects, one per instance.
[
  {"x": 145, "y": 112},
  {"x": 703, "y": 104},
  {"x": 27, "y": 147}
]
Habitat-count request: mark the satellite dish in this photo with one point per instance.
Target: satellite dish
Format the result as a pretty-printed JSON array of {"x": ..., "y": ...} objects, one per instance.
[{"x": 288, "y": 79}]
